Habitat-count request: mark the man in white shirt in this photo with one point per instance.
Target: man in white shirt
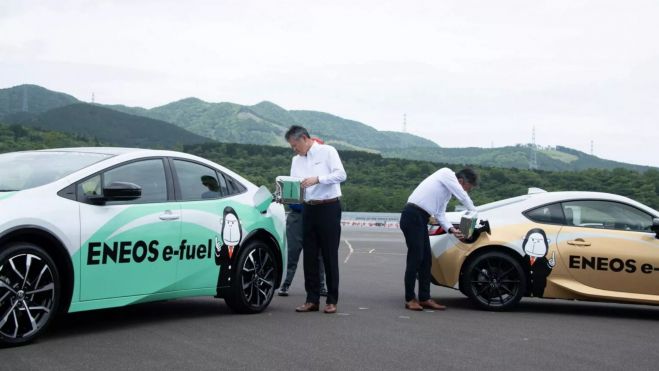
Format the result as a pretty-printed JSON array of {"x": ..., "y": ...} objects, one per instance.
[
  {"x": 430, "y": 198},
  {"x": 294, "y": 242},
  {"x": 322, "y": 172}
]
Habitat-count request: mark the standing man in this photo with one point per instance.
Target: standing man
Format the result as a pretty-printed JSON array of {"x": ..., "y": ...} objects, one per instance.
[
  {"x": 430, "y": 197},
  {"x": 294, "y": 243},
  {"x": 322, "y": 172}
]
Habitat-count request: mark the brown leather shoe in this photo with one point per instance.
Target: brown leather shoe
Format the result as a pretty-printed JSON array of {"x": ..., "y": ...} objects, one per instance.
[
  {"x": 413, "y": 305},
  {"x": 307, "y": 307},
  {"x": 330, "y": 308},
  {"x": 431, "y": 304}
]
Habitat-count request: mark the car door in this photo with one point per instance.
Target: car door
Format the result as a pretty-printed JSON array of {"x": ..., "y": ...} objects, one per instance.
[
  {"x": 609, "y": 246},
  {"x": 129, "y": 247},
  {"x": 204, "y": 194}
]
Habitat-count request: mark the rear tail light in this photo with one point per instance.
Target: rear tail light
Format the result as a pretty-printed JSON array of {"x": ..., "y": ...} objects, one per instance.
[{"x": 435, "y": 230}]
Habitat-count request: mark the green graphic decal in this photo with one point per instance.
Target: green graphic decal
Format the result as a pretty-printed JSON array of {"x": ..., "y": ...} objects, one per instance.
[
  {"x": 137, "y": 256},
  {"x": 4, "y": 195},
  {"x": 127, "y": 255}
]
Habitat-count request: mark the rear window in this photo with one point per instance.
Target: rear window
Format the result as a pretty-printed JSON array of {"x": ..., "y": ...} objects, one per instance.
[{"x": 547, "y": 214}]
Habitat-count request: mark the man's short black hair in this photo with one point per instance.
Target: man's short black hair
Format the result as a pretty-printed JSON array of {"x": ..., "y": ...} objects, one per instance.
[
  {"x": 296, "y": 132},
  {"x": 468, "y": 175}
]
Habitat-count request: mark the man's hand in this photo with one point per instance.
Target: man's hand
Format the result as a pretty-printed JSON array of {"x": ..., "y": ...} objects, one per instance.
[
  {"x": 308, "y": 182},
  {"x": 456, "y": 232}
]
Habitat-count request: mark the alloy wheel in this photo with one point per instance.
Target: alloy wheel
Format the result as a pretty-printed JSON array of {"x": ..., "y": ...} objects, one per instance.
[
  {"x": 27, "y": 296},
  {"x": 496, "y": 281},
  {"x": 258, "y": 277}
]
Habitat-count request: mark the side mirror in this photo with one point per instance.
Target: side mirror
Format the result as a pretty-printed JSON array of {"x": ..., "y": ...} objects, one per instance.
[
  {"x": 118, "y": 191},
  {"x": 655, "y": 226}
]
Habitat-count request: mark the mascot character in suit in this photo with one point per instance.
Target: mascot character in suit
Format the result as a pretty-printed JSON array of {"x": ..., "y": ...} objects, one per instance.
[
  {"x": 536, "y": 247},
  {"x": 225, "y": 253}
]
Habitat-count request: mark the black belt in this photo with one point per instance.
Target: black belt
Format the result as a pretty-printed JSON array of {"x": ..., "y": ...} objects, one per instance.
[
  {"x": 418, "y": 208},
  {"x": 321, "y": 202}
]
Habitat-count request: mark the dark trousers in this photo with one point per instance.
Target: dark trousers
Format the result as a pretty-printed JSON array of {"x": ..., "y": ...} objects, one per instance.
[
  {"x": 294, "y": 231},
  {"x": 414, "y": 224},
  {"x": 322, "y": 232}
]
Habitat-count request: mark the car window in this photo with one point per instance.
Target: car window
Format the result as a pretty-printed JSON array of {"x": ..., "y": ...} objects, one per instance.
[
  {"x": 223, "y": 184},
  {"x": 606, "y": 214},
  {"x": 550, "y": 214},
  {"x": 198, "y": 182},
  {"x": 148, "y": 174},
  {"x": 91, "y": 186},
  {"x": 234, "y": 186}
]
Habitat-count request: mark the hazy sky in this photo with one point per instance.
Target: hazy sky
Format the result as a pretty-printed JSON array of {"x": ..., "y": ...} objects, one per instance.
[{"x": 466, "y": 73}]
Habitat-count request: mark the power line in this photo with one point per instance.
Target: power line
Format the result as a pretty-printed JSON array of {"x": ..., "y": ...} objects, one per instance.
[
  {"x": 405, "y": 123},
  {"x": 533, "y": 155}
]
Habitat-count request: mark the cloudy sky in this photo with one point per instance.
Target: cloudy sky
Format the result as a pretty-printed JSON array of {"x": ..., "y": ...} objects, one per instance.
[{"x": 466, "y": 73}]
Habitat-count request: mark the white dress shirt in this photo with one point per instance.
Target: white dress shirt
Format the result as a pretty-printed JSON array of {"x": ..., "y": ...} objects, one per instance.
[
  {"x": 322, "y": 161},
  {"x": 434, "y": 193}
]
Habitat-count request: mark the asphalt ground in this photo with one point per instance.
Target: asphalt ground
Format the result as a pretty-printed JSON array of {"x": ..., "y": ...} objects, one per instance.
[{"x": 372, "y": 330}]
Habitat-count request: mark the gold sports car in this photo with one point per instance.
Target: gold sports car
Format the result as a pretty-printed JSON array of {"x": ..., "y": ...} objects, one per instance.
[{"x": 565, "y": 245}]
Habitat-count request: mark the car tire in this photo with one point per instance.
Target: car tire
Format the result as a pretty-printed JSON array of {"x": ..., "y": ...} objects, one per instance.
[
  {"x": 29, "y": 293},
  {"x": 494, "y": 281},
  {"x": 254, "y": 281}
]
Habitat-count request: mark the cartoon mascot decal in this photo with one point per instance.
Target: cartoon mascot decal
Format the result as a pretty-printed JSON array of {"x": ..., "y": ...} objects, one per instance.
[
  {"x": 225, "y": 253},
  {"x": 536, "y": 247}
]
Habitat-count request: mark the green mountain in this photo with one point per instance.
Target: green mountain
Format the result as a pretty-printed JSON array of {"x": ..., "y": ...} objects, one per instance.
[
  {"x": 263, "y": 124},
  {"x": 266, "y": 123},
  {"x": 108, "y": 126},
  {"x": 554, "y": 159},
  {"x": 337, "y": 129},
  {"x": 31, "y": 99}
]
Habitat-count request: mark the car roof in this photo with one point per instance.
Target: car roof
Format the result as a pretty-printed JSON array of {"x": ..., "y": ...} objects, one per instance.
[
  {"x": 571, "y": 195},
  {"x": 101, "y": 150},
  {"x": 119, "y": 154},
  {"x": 123, "y": 151},
  {"x": 541, "y": 198}
]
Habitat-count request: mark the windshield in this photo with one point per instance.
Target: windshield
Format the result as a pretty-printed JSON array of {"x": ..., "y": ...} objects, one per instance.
[{"x": 23, "y": 170}]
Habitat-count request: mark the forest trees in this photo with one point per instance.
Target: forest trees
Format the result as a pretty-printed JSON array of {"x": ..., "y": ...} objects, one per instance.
[
  {"x": 383, "y": 184},
  {"x": 374, "y": 183}
]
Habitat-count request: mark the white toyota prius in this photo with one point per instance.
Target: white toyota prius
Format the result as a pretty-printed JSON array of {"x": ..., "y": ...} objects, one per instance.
[{"x": 90, "y": 228}]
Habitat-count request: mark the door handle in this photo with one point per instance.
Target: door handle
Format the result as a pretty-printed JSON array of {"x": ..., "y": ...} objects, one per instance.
[
  {"x": 578, "y": 242},
  {"x": 168, "y": 215}
]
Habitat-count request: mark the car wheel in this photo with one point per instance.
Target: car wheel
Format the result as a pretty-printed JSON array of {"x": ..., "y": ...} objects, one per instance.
[
  {"x": 29, "y": 293},
  {"x": 494, "y": 281},
  {"x": 254, "y": 281}
]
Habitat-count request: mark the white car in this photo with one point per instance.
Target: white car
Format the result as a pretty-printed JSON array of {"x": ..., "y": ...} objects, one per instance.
[
  {"x": 90, "y": 228},
  {"x": 568, "y": 245}
]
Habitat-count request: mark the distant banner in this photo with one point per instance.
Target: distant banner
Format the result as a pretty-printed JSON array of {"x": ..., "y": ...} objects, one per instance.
[
  {"x": 369, "y": 223},
  {"x": 370, "y": 220}
]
